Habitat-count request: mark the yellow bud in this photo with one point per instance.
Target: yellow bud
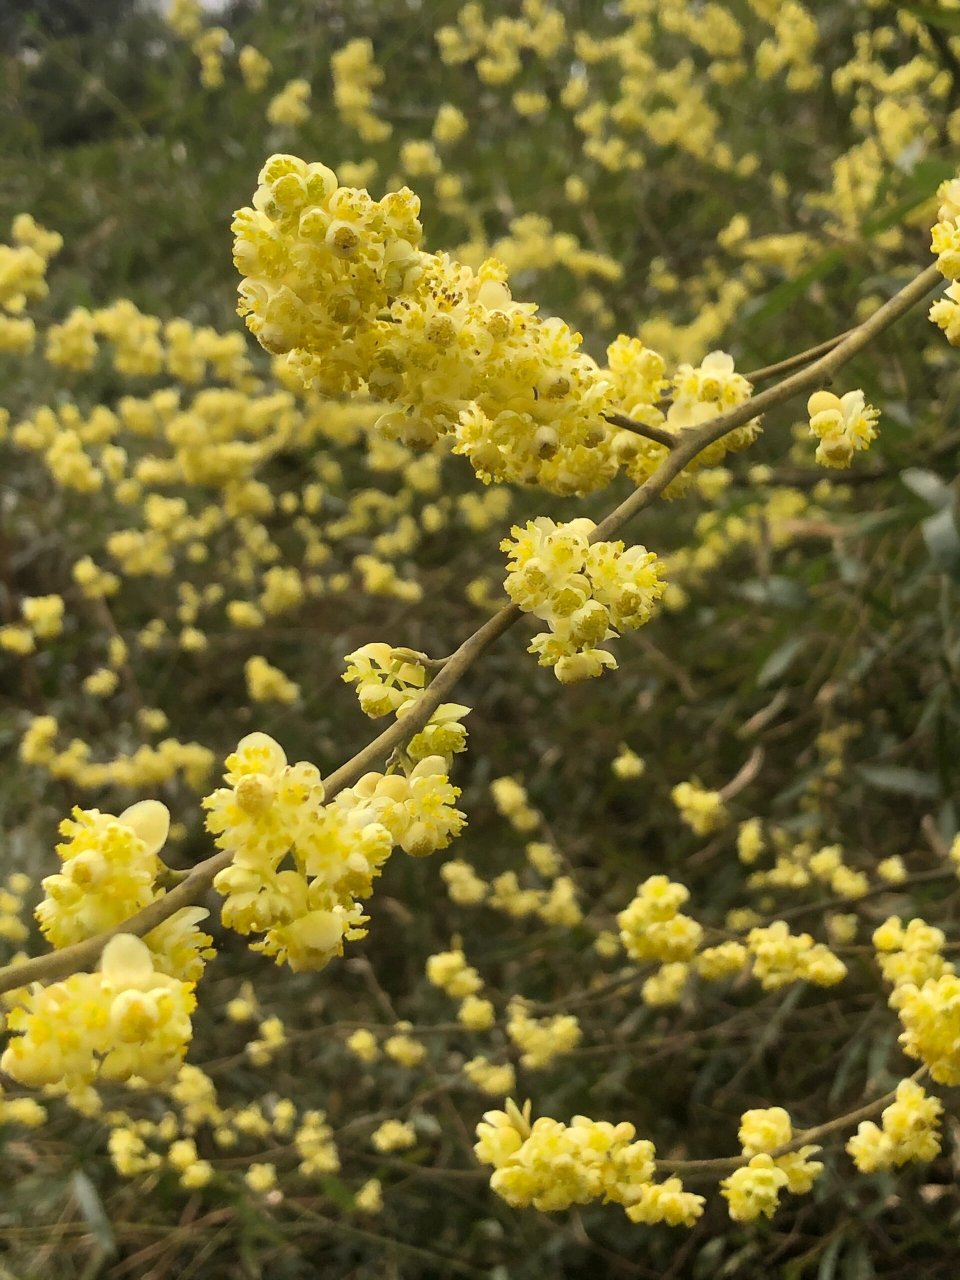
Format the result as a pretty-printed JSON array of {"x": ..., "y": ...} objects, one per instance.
[{"x": 821, "y": 402}]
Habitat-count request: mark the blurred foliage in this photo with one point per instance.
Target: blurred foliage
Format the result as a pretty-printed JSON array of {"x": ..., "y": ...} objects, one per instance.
[{"x": 850, "y": 620}]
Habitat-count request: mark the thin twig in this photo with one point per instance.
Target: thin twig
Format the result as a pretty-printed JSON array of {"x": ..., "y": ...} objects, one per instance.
[
  {"x": 726, "y": 1164},
  {"x": 744, "y": 775},
  {"x": 658, "y": 434},
  {"x": 797, "y": 361}
]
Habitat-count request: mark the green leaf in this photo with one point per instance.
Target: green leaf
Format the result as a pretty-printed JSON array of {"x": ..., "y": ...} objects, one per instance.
[
  {"x": 338, "y": 1191},
  {"x": 784, "y": 295},
  {"x": 828, "y": 1263},
  {"x": 91, "y": 1206},
  {"x": 857, "y": 1264},
  {"x": 899, "y": 780},
  {"x": 776, "y": 590},
  {"x": 943, "y": 541},
  {"x": 945, "y": 19},
  {"x": 779, "y": 661},
  {"x": 928, "y": 486},
  {"x": 921, "y": 187}
]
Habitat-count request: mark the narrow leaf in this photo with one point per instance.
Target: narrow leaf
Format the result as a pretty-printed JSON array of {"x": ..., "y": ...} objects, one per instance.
[
  {"x": 943, "y": 541},
  {"x": 94, "y": 1214},
  {"x": 779, "y": 661},
  {"x": 899, "y": 780},
  {"x": 928, "y": 486}
]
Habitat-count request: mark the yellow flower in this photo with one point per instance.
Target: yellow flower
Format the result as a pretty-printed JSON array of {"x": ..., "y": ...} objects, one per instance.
[
  {"x": 754, "y": 1190},
  {"x": 843, "y": 424},
  {"x": 369, "y": 1199},
  {"x": 393, "y": 1135}
]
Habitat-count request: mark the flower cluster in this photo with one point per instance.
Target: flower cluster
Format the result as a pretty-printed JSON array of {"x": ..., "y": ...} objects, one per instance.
[
  {"x": 843, "y": 425},
  {"x": 267, "y": 683},
  {"x": 42, "y": 620},
  {"x": 652, "y": 926},
  {"x": 320, "y": 262},
  {"x": 390, "y": 680},
  {"x": 721, "y": 961},
  {"x": 553, "y": 1165},
  {"x": 110, "y": 871},
  {"x": 908, "y": 1131},
  {"x": 464, "y": 886},
  {"x": 127, "y": 1019},
  {"x": 582, "y": 590},
  {"x": 750, "y": 841},
  {"x": 369, "y": 1199},
  {"x": 511, "y": 800},
  {"x": 702, "y": 810},
  {"x": 23, "y": 265},
  {"x": 930, "y": 1015},
  {"x": 147, "y": 766},
  {"x": 540, "y": 1040},
  {"x": 386, "y": 678},
  {"x": 556, "y": 905},
  {"x": 497, "y": 1079},
  {"x": 270, "y": 810},
  {"x": 627, "y": 764},
  {"x": 945, "y": 243},
  {"x": 909, "y": 957},
  {"x": 696, "y": 395},
  {"x": 291, "y": 106},
  {"x": 403, "y": 1047},
  {"x": 355, "y": 75},
  {"x": 754, "y": 1189},
  {"x": 338, "y": 280},
  {"x": 450, "y": 971},
  {"x": 497, "y": 45},
  {"x": 255, "y": 68},
  {"x": 780, "y": 957},
  {"x": 393, "y": 1135}
]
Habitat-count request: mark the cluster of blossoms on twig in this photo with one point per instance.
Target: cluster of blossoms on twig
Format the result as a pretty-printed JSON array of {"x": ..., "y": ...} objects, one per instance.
[
  {"x": 553, "y": 1165},
  {"x": 132, "y": 1016},
  {"x": 271, "y": 810},
  {"x": 945, "y": 243},
  {"x": 390, "y": 680},
  {"x": 908, "y": 1131},
  {"x": 128, "y": 1019},
  {"x": 582, "y": 590},
  {"x": 337, "y": 282},
  {"x": 652, "y": 928},
  {"x": 754, "y": 1189}
]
